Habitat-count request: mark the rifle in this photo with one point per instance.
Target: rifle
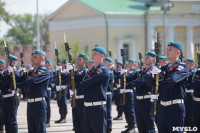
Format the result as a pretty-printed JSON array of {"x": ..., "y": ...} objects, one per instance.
[
  {"x": 67, "y": 48},
  {"x": 59, "y": 72},
  {"x": 141, "y": 63},
  {"x": 156, "y": 50},
  {"x": 124, "y": 76},
  {"x": 22, "y": 71},
  {"x": 16, "y": 104},
  {"x": 198, "y": 57}
]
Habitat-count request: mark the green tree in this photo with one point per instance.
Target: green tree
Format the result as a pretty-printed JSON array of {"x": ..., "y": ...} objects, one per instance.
[
  {"x": 24, "y": 30},
  {"x": 4, "y": 15}
]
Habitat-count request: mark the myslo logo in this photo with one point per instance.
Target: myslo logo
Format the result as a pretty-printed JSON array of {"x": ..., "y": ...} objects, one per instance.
[{"x": 184, "y": 129}]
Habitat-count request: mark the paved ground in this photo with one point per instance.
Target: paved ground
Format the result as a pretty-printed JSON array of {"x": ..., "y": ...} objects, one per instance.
[{"x": 118, "y": 126}]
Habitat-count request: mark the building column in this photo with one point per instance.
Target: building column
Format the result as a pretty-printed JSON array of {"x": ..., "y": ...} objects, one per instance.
[
  {"x": 133, "y": 50},
  {"x": 119, "y": 50},
  {"x": 189, "y": 44},
  {"x": 170, "y": 34},
  {"x": 150, "y": 45}
]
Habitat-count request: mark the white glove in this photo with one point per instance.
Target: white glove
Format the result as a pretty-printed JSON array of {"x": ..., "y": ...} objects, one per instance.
[
  {"x": 153, "y": 97},
  {"x": 53, "y": 85},
  {"x": 58, "y": 88},
  {"x": 123, "y": 71},
  {"x": 118, "y": 85},
  {"x": 58, "y": 68},
  {"x": 122, "y": 91},
  {"x": 155, "y": 70},
  {"x": 10, "y": 69},
  {"x": 22, "y": 69},
  {"x": 64, "y": 86},
  {"x": 64, "y": 71},
  {"x": 69, "y": 67},
  {"x": 13, "y": 92},
  {"x": 71, "y": 92}
]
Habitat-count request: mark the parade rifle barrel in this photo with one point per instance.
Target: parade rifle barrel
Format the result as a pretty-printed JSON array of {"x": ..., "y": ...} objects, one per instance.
[
  {"x": 140, "y": 57},
  {"x": 67, "y": 48},
  {"x": 59, "y": 71},
  {"x": 124, "y": 76},
  {"x": 156, "y": 50},
  {"x": 16, "y": 104},
  {"x": 22, "y": 71},
  {"x": 198, "y": 57}
]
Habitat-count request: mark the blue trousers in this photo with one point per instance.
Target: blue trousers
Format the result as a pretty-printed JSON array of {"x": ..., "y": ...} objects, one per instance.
[
  {"x": 169, "y": 117},
  {"x": 118, "y": 101},
  {"x": 10, "y": 115},
  {"x": 36, "y": 117},
  {"x": 1, "y": 109},
  {"x": 78, "y": 115},
  {"x": 62, "y": 104},
  {"x": 96, "y": 121},
  {"x": 196, "y": 113},
  {"x": 145, "y": 121},
  {"x": 189, "y": 120},
  {"x": 109, "y": 112},
  {"x": 48, "y": 100},
  {"x": 129, "y": 106}
]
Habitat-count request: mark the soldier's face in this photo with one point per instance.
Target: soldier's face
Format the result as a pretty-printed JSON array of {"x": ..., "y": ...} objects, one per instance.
[
  {"x": 36, "y": 59},
  {"x": 14, "y": 63},
  {"x": 97, "y": 56},
  {"x": 107, "y": 64},
  {"x": 81, "y": 61},
  {"x": 2, "y": 66},
  {"x": 161, "y": 62},
  {"x": 90, "y": 65},
  {"x": 172, "y": 52},
  {"x": 47, "y": 65},
  {"x": 190, "y": 64},
  {"x": 148, "y": 60}
]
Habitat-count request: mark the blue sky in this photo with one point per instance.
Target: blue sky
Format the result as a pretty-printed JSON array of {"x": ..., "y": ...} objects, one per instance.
[{"x": 29, "y": 6}]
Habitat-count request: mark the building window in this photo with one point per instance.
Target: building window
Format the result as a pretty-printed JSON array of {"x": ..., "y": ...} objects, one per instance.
[{"x": 126, "y": 50}]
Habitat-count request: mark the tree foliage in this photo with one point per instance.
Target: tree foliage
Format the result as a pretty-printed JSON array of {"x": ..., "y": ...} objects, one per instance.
[{"x": 24, "y": 29}]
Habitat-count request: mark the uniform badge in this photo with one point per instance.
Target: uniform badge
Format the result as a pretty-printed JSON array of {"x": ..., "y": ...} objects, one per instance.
[
  {"x": 99, "y": 71},
  {"x": 80, "y": 72},
  {"x": 40, "y": 71},
  {"x": 149, "y": 72},
  {"x": 180, "y": 68}
]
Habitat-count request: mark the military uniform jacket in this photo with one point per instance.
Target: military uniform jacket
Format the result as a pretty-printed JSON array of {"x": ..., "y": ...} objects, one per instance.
[
  {"x": 130, "y": 76},
  {"x": 38, "y": 83},
  {"x": 195, "y": 84},
  {"x": 173, "y": 81},
  {"x": 96, "y": 84},
  {"x": 6, "y": 82},
  {"x": 111, "y": 79},
  {"x": 142, "y": 88},
  {"x": 79, "y": 76}
]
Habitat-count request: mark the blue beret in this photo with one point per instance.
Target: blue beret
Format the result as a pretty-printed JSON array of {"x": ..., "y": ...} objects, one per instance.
[
  {"x": 48, "y": 61},
  {"x": 84, "y": 56},
  {"x": 99, "y": 49},
  {"x": 163, "y": 58},
  {"x": 132, "y": 60},
  {"x": 109, "y": 59},
  {"x": 190, "y": 60},
  {"x": 3, "y": 61},
  {"x": 29, "y": 65},
  {"x": 176, "y": 45},
  {"x": 119, "y": 62},
  {"x": 90, "y": 61},
  {"x": 12, "y": 57},
  {"x": 152, "y": 54},
  {"x": 64, "y": 62},
  {"x": 39, "y": 52},
  {"x": 24, "y": 65}
]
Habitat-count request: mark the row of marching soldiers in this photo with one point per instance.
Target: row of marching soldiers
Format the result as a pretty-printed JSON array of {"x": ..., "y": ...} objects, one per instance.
[{"x": 97, "y": 84}]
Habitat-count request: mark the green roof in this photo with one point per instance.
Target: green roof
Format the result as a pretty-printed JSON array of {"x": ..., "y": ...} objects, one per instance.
[{"x": 116, "y": 6}]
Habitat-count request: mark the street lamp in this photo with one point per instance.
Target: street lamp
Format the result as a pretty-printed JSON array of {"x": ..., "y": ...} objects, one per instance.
[{"x": 166, "y": 7}]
